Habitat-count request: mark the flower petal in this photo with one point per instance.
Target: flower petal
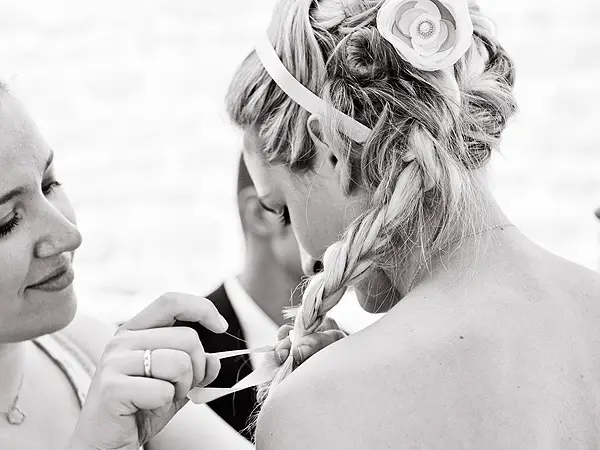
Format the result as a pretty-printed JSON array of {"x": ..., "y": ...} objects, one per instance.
[
  {"x": 398, "y": 34},
  {"x": 423, "y": 51},
  {"x": 443, "y": 34},
  {"x": 450, "y": 36},
  {"x": 430, "y": 45},
  {"x": 407, "y": 19},
  {"x": 464, "y": 32},
  {"x": 403, "y": 8},
  {"x": 447, "y": 12},
  {"x": 430, "y": 8}
]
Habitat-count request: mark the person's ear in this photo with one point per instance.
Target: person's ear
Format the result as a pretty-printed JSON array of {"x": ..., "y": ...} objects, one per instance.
[
  {"x": 328, "y": 157},
  {"x": 255, "y": 219}
]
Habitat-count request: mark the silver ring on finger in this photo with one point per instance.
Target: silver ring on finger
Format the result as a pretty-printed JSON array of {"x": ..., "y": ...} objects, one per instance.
[{"x": 148, "y": 363}]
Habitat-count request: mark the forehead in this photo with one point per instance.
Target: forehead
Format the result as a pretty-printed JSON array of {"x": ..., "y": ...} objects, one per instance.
[{"x": 22, "y": 149}]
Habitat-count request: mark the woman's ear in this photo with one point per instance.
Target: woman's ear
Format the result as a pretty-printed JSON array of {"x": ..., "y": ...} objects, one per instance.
[
  {"x": 328, "y": 156},
  {"x": 254, "y": 218}
]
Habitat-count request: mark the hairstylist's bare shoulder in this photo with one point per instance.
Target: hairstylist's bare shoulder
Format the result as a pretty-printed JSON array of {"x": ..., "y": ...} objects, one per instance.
[
  {"x": 90, "y": 334},
  {"x": 386, "y": 387}
]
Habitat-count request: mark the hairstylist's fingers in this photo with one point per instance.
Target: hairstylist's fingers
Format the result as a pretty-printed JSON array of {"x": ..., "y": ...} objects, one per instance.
[
  {"x": 169, "y": 365},
  {"x": 310, "y": 344},
  {"x": 213, "y": 366},
  {"x": 282, "y": 350},
  {"x": 284, "y": 331},
  {"x": 329, "y": 324},
  {"x": 175, "y": 367},
  {"x": 170, "y": 307},
  {"x": 136, "y": 393},
  {"x": 178, "y": 338}
]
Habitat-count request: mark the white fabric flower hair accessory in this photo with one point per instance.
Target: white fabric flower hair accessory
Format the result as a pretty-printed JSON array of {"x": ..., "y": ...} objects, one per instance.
[{"x": 429, "y": 34}]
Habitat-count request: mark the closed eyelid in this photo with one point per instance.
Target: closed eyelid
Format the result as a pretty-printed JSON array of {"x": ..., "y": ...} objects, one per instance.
[
  {"x": 262, "y": 203},
  {"x": 5, "y": 218}
]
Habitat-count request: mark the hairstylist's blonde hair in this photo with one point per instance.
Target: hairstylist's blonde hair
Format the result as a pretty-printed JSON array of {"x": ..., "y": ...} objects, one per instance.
[{"x": 417, "y": 166}]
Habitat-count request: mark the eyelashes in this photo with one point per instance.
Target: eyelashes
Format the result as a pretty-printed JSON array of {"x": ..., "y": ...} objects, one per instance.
[
  {"x": 13, "y": 223},
  {"x": 7, "y": 228},
  {"x": 284, "y": 215},
  {"x": 49, "y": 187}
]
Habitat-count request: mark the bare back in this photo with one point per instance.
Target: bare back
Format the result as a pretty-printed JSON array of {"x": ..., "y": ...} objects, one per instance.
[{"x": 506, "y": 357}]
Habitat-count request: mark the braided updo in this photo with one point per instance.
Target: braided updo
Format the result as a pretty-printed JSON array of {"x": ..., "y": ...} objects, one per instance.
[{"x": 418, "y": 165}]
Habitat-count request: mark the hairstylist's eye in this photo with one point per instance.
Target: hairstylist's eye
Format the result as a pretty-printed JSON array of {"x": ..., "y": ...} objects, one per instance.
[
  {"x": 7, "y": 226},
  {"x": 49, "y": 186}
]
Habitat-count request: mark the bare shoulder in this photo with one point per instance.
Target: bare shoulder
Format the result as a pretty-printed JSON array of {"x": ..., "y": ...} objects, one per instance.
[
  {"x": 390, "y": 387},
  {"x": 90, "y": 334}
]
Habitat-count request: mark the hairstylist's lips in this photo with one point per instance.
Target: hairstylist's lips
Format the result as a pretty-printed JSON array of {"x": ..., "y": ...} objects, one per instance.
[{"x": 57, "y": 280}]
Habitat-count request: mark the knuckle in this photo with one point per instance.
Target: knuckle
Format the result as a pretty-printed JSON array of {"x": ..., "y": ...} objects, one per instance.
[
  {"x": 190, "y": 336},
  {"x": 166, "y": 393},
  {"x": 208, "y": 306},
  {"x": 110, "y": 359},
  {"x": 284, "y": 344},
  {"x": 165, "y": 301},
  {"x": 108, "y": 386},
  {"x": 211, "y": 371},
  {"x": 117, "y": 341},
  {"x": 182, "y": 363}
]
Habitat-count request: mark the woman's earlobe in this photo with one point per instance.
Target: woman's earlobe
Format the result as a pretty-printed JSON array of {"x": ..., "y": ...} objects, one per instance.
[
  {"x": 314, "y": 124},
  {"x": 329, "y": 154},
  {"x": 315, "y": 129}
]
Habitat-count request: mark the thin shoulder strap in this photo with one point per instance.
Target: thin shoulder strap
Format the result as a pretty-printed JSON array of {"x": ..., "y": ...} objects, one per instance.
[
  {"x": 77, "y": 366},
  {"x": 74, "y": 362}
]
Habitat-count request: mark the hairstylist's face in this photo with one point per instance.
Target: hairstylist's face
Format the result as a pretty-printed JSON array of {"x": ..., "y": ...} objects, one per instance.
[
  {"x": 37, "y": 232},
  {"x": 318, "y": 210}
]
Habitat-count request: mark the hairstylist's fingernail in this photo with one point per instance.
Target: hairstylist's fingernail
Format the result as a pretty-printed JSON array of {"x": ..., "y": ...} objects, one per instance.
[{"x": 223, "y": 323}]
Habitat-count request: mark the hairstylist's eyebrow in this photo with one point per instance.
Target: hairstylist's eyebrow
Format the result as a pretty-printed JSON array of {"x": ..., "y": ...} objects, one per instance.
[
  {"x": 50, "y": 159},
  {"x": 13, "y": 193}
]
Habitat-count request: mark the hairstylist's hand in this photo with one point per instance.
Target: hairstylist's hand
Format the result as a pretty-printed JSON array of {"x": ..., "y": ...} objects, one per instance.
[
  {"x": 328, "y": 333},
  {"x": 125, "y": 407}
]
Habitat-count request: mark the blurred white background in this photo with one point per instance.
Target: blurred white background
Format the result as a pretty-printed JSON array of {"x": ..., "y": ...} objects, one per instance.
[{"x": 130, "y": 96}]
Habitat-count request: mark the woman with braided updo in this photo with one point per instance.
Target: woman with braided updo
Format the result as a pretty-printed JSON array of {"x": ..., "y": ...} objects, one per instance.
[{"x": 375, "y": 121}]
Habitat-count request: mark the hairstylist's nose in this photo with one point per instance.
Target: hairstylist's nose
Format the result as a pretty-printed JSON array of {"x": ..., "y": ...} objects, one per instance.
[
  {"x": 310, "y": 265},
  {"x": 59, "y": 236}
]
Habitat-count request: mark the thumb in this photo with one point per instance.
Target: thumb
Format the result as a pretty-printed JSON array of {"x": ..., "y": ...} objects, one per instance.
[{"x": 312, "y": 343}]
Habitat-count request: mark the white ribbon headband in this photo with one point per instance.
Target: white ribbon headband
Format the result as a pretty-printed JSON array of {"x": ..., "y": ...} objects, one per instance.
[{"x": 303, "y": 96}]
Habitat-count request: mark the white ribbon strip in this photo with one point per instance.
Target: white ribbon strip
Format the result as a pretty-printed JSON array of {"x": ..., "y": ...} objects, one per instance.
[
  {"x": 303, "y": 96},
  {"x": 208, "y": 394},
  {"x": 247, "y": 351}
]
